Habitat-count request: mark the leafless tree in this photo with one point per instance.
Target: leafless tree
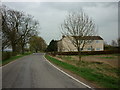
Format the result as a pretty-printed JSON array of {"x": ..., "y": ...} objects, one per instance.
[
  {"x": 27, "y": 29},
  {"x": 76, "y": 26},
  {"x": 17, "y": 28},
  {"x": 114, "y": 43},
  {"x": 10, "y": 24},
  {"x": 118, "y": 41}
]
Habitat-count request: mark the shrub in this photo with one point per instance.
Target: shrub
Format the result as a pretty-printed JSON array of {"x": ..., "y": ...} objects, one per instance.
[{"x": 6, "y": 55}]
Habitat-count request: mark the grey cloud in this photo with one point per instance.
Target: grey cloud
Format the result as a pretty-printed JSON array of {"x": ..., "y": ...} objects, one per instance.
[
  {"x": 51, "y": 15},
  {"x": 77, "y": 5}
]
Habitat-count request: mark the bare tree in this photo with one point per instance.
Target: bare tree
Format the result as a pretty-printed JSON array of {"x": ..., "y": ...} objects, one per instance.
[
  {"x": 17, "y": 28},
  {"x": 114, "y": 43},
  {"x": 118, "y": 41},
  {"x": 4, "y": 27},
  {"x": 28, "y": 28},
  {"x": 10, "y": 24},
  {"x": 76, "y": 26}
]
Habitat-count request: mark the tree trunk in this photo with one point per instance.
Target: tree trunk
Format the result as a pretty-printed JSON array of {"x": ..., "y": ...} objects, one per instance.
[
  {"x": 23, "y": 51},
  {"x": 2, "y": 49},
  {"x": 14, "y": 49},
  {"x": 22, "y": 46},
  {"x": 36, "y": 50},
  {"x": 79, "y": 54}
]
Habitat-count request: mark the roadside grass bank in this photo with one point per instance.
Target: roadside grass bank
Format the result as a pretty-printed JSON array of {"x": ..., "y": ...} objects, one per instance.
[
  {"x": 12, "y": 58},
  {"x": 112, "y": 59},
  {"x": 88, "y": 73}
]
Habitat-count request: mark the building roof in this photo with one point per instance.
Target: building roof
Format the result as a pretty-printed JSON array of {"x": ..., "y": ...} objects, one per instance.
[
  {"x": 89, "y": 37},
  {"x": 85, "y": 38}
]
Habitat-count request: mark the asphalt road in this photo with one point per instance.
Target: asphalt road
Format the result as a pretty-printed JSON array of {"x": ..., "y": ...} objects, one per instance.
[{"x": 34, "y": 71}]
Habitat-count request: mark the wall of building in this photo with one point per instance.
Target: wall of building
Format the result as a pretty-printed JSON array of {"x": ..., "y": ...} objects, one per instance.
[{"x": 65, "y": 45}]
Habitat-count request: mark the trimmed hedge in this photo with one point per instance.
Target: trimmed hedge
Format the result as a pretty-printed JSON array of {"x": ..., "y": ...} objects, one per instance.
[{"x": 86, "y": 52}]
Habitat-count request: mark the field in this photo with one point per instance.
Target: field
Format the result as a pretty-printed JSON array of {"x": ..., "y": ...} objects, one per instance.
[
  {"x": 111, "y": 60},
  {"x": 100, "y": 69}
]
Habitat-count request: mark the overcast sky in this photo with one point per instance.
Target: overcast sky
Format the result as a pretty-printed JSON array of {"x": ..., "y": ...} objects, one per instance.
[{"x": 50, "y": 16}]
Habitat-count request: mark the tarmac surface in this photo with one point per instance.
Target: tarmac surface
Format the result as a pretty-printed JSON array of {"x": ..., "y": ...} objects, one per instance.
[{"x": 34, "y": 71}]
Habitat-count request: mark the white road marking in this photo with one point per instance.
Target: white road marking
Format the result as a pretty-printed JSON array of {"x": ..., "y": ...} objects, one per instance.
[
  {"x": 68, "y": 74},
  {"x": 57, "y": 69}
]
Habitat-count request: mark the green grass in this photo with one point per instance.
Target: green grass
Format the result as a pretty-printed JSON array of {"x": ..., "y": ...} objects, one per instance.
[
  {"x": 88, "y": 73},
  {"x": 4, "y": 62}
]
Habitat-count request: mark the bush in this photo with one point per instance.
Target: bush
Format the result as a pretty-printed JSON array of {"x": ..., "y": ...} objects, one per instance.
[{"x": 6, "y": 55}]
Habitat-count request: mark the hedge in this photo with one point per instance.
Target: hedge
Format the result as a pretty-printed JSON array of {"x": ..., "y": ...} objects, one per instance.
[{"x": 86, "y": 52}]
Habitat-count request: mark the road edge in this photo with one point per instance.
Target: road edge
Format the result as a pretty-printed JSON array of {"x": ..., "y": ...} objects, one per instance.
[
  {"x": 67, "y": 74},
  {"x": 12, "y": 61}
]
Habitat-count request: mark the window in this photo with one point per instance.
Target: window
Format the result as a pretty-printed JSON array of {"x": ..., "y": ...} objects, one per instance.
[
  {"x": 97, "y": 41},
  {"x": 89, "y": 49},
  {"x": 90, "y": 41},
  {"x": 97, "y": 48},
  {"x": 81, "y": 49}
]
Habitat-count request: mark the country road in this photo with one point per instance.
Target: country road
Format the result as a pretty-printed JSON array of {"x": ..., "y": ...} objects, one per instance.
[{"x": 34, "y": 71}]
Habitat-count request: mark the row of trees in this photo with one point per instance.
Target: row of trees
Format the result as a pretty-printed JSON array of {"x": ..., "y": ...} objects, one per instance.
[{"x": 18, "y": 29}]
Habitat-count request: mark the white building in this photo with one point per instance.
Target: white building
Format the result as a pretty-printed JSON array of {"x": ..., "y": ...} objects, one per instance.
[{"x": 94, "y": 43}]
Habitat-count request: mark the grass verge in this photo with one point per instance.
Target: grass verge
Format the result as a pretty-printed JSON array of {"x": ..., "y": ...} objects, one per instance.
[
  {"x": 89, "y": 74},
  {"x": 4, "y": 62}
]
